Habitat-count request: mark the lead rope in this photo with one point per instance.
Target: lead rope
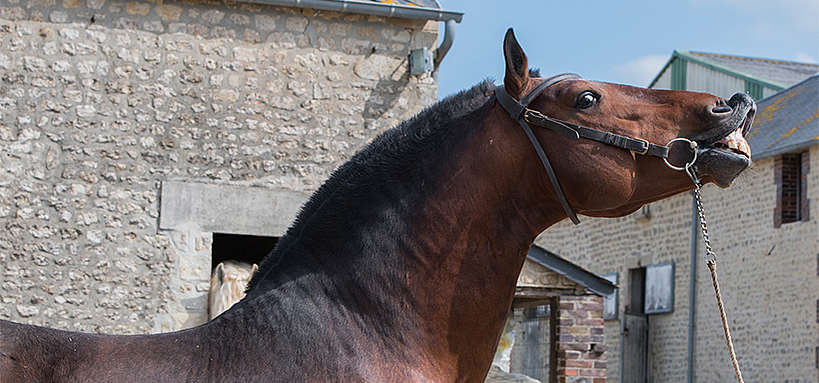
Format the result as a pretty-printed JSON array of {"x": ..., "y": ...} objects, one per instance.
[{"x": 711, "y": 261}]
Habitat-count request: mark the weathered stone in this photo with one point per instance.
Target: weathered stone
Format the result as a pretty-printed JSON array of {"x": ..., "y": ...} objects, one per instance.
[
  {"x": 26, "y": 311},
  {"x": 137, "y": 8},
  {"x": 73, "y": 3},
  {"x": 169, "y": 12},
  {"x": 265, "y": 23}
]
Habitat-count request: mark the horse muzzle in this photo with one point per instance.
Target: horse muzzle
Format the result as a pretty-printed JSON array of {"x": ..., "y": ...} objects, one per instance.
[{"x": 723, "y": 152}]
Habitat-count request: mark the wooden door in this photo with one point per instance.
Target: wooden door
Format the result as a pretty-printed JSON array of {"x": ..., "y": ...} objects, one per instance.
[{"x": 635, "y": 348}]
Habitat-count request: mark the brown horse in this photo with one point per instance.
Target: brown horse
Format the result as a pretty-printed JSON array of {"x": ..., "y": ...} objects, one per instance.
[{"x": 402, "y": 266}]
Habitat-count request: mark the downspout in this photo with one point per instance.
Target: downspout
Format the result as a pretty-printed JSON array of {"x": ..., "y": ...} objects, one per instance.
[
  {"x": 692, "y": 289},
  {"x": 449, "y": 36}
]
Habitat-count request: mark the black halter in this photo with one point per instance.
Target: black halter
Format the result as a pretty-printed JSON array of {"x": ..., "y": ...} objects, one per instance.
[{"x": 520, "y": 112}]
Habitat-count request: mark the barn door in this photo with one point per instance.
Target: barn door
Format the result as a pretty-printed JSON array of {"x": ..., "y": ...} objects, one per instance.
[
  {"x": 635, "y": 348},
  {"x": 634, "y": 362}
]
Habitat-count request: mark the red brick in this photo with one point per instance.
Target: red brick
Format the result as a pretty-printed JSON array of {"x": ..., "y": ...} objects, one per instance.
[
  {"x": 590, "y": 322},
  {"x": 600, "y": 364},
  {"x": 576, "y": 346},
  {"x": 592, "y": 372},
  {"x": 565, "y": 322},
  {"x": 571, "y": 354},
  {"x": 571, "y": 372},
  {"x": 566, "y": 306},
  {"x": 599, "y": 380},
  {"x": 579, "y": 363}
]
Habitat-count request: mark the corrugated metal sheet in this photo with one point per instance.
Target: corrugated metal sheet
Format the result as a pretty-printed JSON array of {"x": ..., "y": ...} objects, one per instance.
[
  {"x": 787, "y": 121},
  {"x": 664, "y": 82},
  {"x": 703, "y": 79},
  {"x": 781, "y": 72}
]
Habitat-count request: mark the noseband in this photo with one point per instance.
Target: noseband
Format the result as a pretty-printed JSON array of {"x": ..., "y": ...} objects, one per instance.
[{"x": 520, "y": 112}]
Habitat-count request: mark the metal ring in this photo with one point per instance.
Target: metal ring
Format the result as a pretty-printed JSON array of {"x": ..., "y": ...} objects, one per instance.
[{"x": 691, "y": 144}]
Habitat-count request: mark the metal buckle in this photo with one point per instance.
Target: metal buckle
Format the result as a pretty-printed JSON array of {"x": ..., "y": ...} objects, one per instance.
[
  {"x": 691, "y": 144},
  {"x": 533, "y": 113},
  {"x": 647, "y": 145}
]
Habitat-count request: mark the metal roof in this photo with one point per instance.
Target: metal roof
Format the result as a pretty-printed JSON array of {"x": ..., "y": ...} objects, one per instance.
[
  {"x": 787, "y": 121},
  {"x": 775, "y": 74},
  {"x": 575, "y": 273},
  {"x": 784, "y": 73}
]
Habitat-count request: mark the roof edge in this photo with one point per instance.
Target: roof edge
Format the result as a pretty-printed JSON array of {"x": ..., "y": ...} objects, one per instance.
[
  {"x": 660, "y": 73},
  {"x": 575, "y": 273},
  {"x": 368, "y": 8},
  {"x": 688, "y": 56},
  {"x": 786, "y": 149}
]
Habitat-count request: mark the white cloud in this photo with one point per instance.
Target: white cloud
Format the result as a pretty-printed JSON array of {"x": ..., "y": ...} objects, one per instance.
[
  {"x": 803, "y": 57},
  {"x": 641, "y": 70}
]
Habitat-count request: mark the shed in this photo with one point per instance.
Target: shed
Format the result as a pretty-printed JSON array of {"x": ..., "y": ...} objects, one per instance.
[
  {"x": 557, "y": 315},
  {"x": 723, "y": 74}
]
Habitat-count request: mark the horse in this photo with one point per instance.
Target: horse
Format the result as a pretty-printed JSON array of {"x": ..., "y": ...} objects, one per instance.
[
  {"x": 402, "y": 266},
  {"x": 227, "y": 285}
]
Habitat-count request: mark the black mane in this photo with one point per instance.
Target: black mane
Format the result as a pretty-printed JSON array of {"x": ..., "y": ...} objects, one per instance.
[{"x": 401, "y": 154}]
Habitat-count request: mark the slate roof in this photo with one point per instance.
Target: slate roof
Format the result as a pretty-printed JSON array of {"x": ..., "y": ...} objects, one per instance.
[
  {"x": 784, "y": 73},
  {"x": 573, "y": 272},
  {"x": 787, "y": 121}
]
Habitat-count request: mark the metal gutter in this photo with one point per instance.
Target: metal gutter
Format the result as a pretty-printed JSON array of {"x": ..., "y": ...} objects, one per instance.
[
  {"x": 692, "y": 290},
  {"x": 587, "y": 279},
  {"x": 369, "y": 8}
]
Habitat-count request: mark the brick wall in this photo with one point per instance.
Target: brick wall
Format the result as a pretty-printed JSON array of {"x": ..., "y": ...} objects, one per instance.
[
  {"x": 767, "y": 275},
  {"x": 101, "y": 101},
  {"x": 580, "y": 353}
]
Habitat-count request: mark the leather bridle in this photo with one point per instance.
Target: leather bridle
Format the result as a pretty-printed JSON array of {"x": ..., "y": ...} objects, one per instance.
[{"x": 520, "y": 112}]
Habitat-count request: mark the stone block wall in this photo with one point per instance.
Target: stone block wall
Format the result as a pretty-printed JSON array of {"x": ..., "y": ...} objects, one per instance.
[
  {"x": 101, "y": 101},
  {"x": 768, "y": 278},
  {"x": 581, "y": 350}
]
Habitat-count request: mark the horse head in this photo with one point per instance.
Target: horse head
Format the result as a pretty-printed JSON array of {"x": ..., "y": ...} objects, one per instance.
[{"x": 601, "y": 179}]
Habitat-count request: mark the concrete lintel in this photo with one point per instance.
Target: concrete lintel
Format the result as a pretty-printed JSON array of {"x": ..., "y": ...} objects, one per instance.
[{"x": 228, "y": 208}]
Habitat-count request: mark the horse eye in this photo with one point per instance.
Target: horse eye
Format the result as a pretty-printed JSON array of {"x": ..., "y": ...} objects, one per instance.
[{"x": 586, "y": 100}]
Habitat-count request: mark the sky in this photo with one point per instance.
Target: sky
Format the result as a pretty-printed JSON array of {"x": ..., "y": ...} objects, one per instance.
[{"x": 622, "y": 41}]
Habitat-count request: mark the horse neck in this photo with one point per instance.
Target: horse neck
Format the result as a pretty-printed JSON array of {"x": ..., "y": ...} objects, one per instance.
[
  {"x": 433, "y": 278},
  {"x": 470, "y": 241}
]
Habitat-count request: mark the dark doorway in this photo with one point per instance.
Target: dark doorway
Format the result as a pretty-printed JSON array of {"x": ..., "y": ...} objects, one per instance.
[
  {"x": 634, "y": 365},
  {"x": 250, "y": 249}
]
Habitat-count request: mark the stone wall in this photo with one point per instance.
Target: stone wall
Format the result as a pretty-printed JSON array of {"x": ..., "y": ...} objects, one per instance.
[
  {"x": 768, "y": 278},
  {"x": 103, "y": 101}
]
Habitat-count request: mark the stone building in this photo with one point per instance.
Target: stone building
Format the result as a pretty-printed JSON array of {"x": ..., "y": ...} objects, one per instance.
[
  {"x": 554, "y": 333},
  {"x": 764, "y": 231},
  {"x": 142, "y": 141}
]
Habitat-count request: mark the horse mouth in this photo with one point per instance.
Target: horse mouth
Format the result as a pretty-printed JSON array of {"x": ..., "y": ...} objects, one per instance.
[
  {"x": 724, "y": 156},
  {"x": 734, "y": 143}
]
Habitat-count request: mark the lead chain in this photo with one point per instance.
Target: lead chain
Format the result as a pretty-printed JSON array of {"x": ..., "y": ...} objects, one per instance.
[
  {"x": 711, "y": 262},
  {"x": 710, "y": 256}
]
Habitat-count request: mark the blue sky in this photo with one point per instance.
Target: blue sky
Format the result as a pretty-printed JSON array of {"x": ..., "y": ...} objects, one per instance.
[{"x": 622, "y": 41}]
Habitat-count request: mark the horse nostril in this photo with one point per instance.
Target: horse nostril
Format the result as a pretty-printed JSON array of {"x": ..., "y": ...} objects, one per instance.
[{"x": 721, "y": 109}]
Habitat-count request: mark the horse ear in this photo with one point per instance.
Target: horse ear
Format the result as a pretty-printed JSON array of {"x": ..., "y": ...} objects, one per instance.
[
  {"x": 517, "y": 66},
  {"x": 220, "y": 272}
]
